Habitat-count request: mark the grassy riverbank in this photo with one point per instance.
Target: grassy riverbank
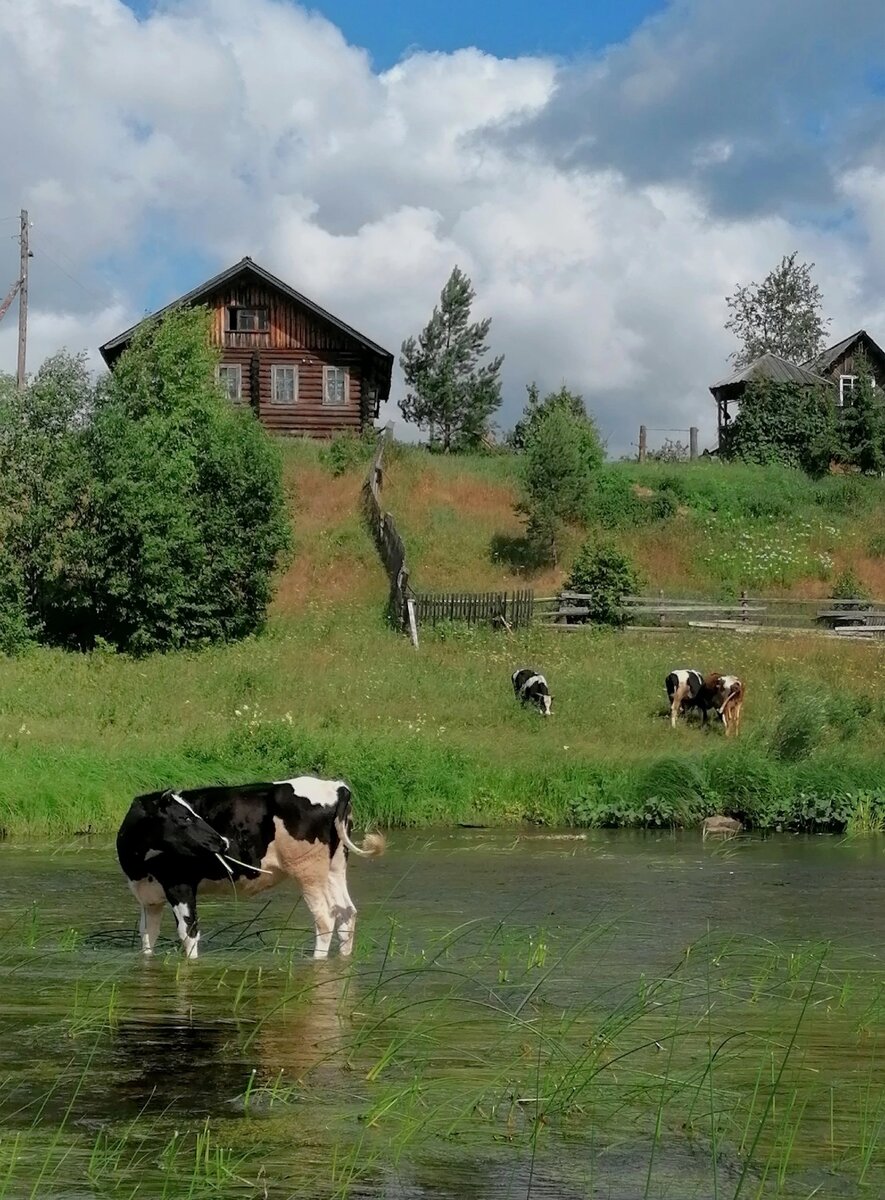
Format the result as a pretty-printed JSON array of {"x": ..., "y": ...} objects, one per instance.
[{"x": 436, "y": 737}]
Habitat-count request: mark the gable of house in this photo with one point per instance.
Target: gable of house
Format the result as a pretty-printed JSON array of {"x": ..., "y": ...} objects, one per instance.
[{"x": 840, "y": 363}]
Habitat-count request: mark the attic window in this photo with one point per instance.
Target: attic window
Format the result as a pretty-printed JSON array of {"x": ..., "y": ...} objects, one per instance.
[
  {"x": 847, "y": 384},
  {"x": 247, "y": 320}
]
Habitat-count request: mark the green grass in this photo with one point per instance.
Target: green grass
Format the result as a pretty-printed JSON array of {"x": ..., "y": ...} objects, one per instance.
[{"x": 436, "y": 736}]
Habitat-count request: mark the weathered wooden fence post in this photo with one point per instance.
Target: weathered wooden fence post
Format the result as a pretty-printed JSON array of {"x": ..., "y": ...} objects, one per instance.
[
  {"x": 661, "y": 610},
  {"x": 743, "y": 605},
  {"x": 643, "y": 443},
  {"x": 693, "y": 442}
]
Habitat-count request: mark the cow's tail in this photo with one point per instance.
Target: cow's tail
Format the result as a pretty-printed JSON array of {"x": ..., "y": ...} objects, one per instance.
[{"x": 374, "y": 844}]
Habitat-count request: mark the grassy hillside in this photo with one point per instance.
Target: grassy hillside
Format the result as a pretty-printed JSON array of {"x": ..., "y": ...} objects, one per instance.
[
  {"x": 701, "y": 527},
  {"x": 334, "y": 560}
]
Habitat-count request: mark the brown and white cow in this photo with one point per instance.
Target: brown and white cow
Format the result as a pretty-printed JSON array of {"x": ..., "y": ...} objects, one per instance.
[
  {"x": 173, "y": 844},
  {"x": 723, "y": 694}
]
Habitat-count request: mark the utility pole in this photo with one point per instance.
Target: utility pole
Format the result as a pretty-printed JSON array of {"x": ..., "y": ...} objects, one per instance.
[{"x": 23, "y": 302}]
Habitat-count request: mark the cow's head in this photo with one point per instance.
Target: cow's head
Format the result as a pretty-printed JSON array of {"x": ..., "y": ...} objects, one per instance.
[
  {"x": 546, "y": 702},
  {"x": 184, "y": 832}
]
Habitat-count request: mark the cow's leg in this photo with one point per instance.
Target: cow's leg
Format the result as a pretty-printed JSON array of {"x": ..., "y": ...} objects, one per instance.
[
  {"x": 676, "y": 703},
  {"x": 183, "y": 899},
  {"x": 317, "y": 900},
  {"x": 342, "y": 907},
  {"x": 150, "y": 897},
  {"x": 149, "y": 926}
]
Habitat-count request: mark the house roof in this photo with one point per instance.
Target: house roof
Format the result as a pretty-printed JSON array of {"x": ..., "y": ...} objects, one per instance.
[
  {"x": 111, "y": 348},
  {"x": 824, "y": 360},
  {"x": 773, "y": 368}
]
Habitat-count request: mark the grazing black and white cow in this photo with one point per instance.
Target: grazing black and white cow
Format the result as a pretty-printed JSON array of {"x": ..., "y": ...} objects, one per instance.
[
  {"x": 172, "y": 844},
  {"x": 683, "y": 688},
  {"x": 530, "y": 687}
]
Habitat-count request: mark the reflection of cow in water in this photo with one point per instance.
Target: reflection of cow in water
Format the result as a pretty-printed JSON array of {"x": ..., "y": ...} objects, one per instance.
[
  {"x": 182, "y": 1048},
  {"x": 173, "y": 843}
]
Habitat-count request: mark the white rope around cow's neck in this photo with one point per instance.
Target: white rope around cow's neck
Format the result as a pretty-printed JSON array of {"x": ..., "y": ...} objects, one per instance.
[{"x": 226, "y": 858}]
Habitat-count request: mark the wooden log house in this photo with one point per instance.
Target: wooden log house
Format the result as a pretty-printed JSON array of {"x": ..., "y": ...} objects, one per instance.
[
  {"x": 835, "y": 369},
  {"x": 303, "y": 370}
]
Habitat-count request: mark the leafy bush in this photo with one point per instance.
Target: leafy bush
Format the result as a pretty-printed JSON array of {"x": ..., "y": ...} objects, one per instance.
[
  {"x": 786, "y": 424},
  {"x": 613, "y": 501},
  {"x": 847, "y": 586},
  {"x": 606, "y": 575},
  {"x": 348, "y": 451}
]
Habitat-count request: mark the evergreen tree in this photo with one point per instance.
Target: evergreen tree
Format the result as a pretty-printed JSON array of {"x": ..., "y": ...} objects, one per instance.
[
  {"x": 781, "y": 315},
  {"x": 451, "y": 393},
  {"x": 863, "y": 423}
]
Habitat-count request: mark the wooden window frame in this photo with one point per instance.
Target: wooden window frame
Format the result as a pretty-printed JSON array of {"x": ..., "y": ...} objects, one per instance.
[
  {"x": 843, "y": 379},
  {"x": 263, "y": 318},
  {"x": 327, "y": 403},
  {"x": 238, "y": 367},
  {"x": 285, "y": 366}
]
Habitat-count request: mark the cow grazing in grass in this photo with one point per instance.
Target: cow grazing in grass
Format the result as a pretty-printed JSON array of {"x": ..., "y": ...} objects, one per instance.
[
  {"x": 173, "y": 844},
  {"x": 683, "y": 687},
  {"x": 724, "y": 695},
  {"x": 530, "y": 687}
]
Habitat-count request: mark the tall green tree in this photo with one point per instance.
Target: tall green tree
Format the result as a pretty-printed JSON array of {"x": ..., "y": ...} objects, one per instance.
[
  {"x": 452, "y": 393},
  {"x": 863, "y": 423},
  {"x": 781, "y": 315},
  {"x": 554, "y": 479},
  {"x": 186, "y": 518}
]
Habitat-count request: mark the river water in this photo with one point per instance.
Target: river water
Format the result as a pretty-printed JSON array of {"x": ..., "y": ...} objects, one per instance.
[{"x": 610, "y": 1015}]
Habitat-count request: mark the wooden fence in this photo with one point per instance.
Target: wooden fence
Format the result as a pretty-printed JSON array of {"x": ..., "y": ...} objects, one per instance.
[
  {"x": 387, "y": 538},
  {"x": 510, "y": 610},
  {"x": 856, "y": 618}
]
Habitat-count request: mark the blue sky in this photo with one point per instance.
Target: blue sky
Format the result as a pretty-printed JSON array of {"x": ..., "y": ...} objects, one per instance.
[{"x": 389, "y": 28}]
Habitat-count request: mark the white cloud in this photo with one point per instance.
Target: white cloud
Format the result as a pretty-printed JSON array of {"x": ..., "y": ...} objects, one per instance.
[{"x": 197, "y": 132}]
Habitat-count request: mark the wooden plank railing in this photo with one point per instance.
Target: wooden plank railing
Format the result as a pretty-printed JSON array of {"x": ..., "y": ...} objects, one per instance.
[
  {"x": 508, "y": 610},
  {"x": 858, "y": 617}
]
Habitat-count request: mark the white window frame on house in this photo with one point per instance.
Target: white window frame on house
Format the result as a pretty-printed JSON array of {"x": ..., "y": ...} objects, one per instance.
[
  {"x": 843, "y": 380},
  {"x": 345, "y": 389},
  {"x": 225, "y": 387},
  {"x": 277, "y": 372}
]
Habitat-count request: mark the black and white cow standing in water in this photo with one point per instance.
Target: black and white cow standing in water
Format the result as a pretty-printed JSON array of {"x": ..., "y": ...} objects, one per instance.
[
  {"x": 172, "y": 844},
  {"x": 683, "y": 690},
  {"x": 530, "y": 687}
]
